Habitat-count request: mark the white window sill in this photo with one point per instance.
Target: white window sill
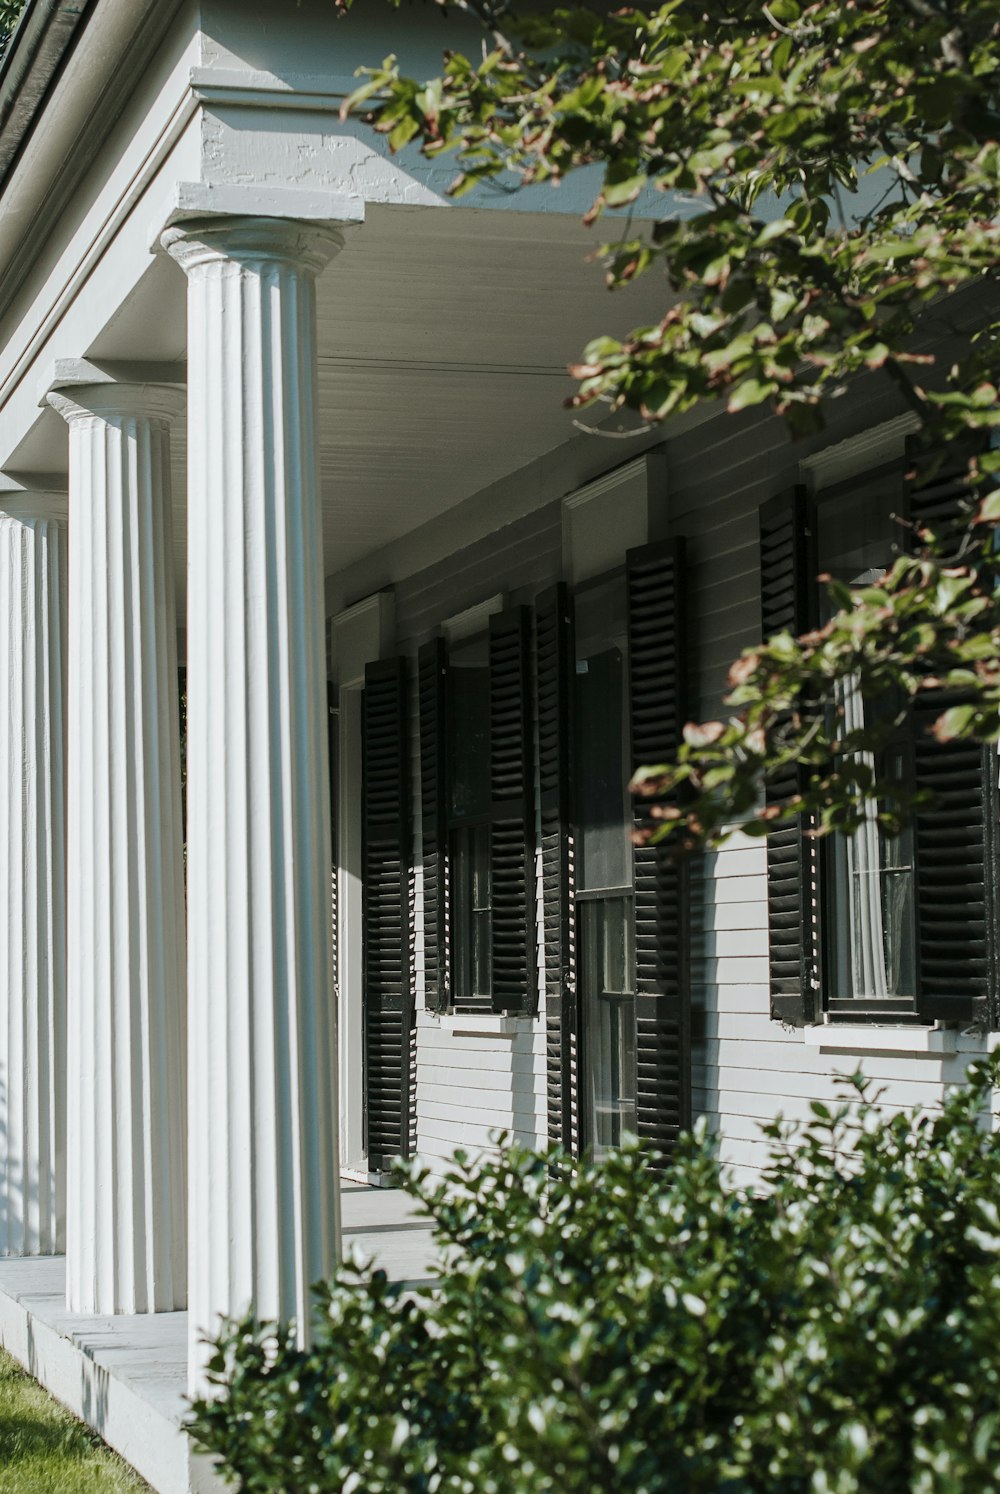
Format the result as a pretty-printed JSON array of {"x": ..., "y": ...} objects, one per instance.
[
  {"x": 485, "y": 1024},
  {"x": 916, "y": 1042}
]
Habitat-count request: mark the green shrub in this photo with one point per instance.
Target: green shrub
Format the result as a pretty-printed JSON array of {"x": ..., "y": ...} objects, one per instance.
[{"x": 609, "y": 1326}]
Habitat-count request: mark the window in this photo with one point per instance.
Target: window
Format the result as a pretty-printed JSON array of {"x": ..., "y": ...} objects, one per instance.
[
  {"x": 867, "y": 913},
  {"x": 469, "y": 815},
  {"x": 605, "y": 903},
  {"x": 875, "y": 928},
  {"x": 477, "y": 819}
]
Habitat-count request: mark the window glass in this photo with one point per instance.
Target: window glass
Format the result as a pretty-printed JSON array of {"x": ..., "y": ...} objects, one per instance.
[
  {"x": 608, "y": 1019},
  {"x": 603, "y": 850},
  {"x": 469, "y": 807},
  {"x": 871, "y": 934},
  {"x": 469, "y": 720},
  {"x": 605, "y": 906},
  {"x": 472, "y": 912},
  {"x": 857, "y": 530}
]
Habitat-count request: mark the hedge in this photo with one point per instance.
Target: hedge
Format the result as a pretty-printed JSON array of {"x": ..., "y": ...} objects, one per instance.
[{"x": 618, "y": 1324}]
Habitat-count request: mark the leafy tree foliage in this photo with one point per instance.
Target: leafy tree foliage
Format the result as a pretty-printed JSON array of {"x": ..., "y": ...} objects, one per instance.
[
  {"x": 606, "y": 1325},
  {"x": 822, "y": 180},
  {"x": 9, "y": 12}
]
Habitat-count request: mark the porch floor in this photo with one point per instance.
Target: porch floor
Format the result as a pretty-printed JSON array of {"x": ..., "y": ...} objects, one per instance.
[{"x": 126, "y": 1376}]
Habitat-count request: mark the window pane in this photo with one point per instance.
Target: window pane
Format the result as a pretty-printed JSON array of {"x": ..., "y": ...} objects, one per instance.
[
  {"x": 871, "y": 939},
  {"x": 873, "y": 935},
  {"x": 857, "y": 531},
  {"x": 469, "y": 730},
  {"x": 471, "y": 914},
  {"x": 603, "y": 848},
  {"x": 608, "y": 1020}
]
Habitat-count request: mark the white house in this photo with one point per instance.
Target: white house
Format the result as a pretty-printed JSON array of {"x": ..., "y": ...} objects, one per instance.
[{"x": 275, "y": 410}]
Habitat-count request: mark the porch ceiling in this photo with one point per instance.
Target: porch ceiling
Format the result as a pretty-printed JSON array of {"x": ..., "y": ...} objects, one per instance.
[
  {"x": 444, "y": 340},
  {"x": 444, "y": 335}
]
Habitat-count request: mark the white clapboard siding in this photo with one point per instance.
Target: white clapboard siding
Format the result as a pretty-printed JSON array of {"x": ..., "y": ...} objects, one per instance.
[
  {"x": 747, "y": 1069},
  {"x": 470, "y": 1086}
]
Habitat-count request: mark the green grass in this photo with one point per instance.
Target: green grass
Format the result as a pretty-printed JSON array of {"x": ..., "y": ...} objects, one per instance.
[{"x": 45, "y": 1450}]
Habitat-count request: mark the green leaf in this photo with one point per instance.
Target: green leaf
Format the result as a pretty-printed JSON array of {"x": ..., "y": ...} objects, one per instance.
[{"x": 750, "y": 392}]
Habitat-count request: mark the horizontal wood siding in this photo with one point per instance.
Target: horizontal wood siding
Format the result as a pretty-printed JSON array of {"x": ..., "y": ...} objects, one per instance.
[
  {"x": 747, "y": 1068},
  {"x": 472, "y": 1086}
]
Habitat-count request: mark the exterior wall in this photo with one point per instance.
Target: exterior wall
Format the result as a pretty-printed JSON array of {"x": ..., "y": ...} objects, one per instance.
[
  {"x": 747, "y": 1068},
  {"x": 477, "y": 1076}
]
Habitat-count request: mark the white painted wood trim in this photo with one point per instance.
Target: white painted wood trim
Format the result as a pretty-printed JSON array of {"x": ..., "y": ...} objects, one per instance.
[
  {"x": 859, "y": 453},
  {"x": 485, "y": 1024},
  {"x": 474, "y": 619},
  {"x": 32, "y": 874},
  {"x": 915, "y": 1042},
  {"x": 264, "y": 1198},
  {"x": 126, "y": 1188},
  {"x": 607, "y": 483},
  {"x": 360, "y": 635},
  {"x": 196, "y": 200}
]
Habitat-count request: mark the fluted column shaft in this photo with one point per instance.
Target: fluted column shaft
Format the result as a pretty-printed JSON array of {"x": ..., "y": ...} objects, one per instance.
[
  {"x": 263, "y": 1159},
  {"x": 125, "y": 892},
  {"x": 32, "y": 875}
]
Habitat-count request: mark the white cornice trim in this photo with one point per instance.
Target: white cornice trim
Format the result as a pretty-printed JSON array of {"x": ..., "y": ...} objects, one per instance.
[
  {"x": 68, "y": 373},
  {"x": 474, "y": 619},
  {"x": 607, "y": 483},
  {"x": 361, "y": 634},
  {"x": 256, "y": 88},
  {"x": 192, "y": 200},
  {"x": 871, "y": 448},
  {"x": 102, "y": 239}
]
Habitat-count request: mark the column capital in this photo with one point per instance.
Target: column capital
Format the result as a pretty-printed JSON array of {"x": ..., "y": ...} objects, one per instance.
[
  {"x": 27, "y": 504},
  {"x": 253, "y": 242},
  {"x": 113, "y": 402}
]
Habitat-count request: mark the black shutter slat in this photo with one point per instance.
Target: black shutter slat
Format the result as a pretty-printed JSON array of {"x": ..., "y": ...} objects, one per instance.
[
  {"x": 512, "y": 828},
  {"x": 388, "y": 1004},
  {"x": 788, "y": 604},
  {"x": 657, "y": 709},
  {"x": 554, "y": 663},
  {"x": 432, "y": 685},
  {"x": 955, "y": 833},
  {"x": 956, "y": 882}
]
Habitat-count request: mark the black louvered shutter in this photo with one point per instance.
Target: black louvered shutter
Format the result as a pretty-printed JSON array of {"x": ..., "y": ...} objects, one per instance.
[
  {"x": 956, "y": 833},
  {"x": 657, "y": 668},
  {"x": 432, "y": 667},
  {"x": 788, "y": 603},
  {"x": 512, "y": 829},
  {"x": 554, "y": 666},
  {"x": 387, "y": 997}
]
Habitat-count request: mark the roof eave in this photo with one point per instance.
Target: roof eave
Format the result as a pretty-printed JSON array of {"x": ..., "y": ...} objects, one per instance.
[{"x": 43, "y": 38}]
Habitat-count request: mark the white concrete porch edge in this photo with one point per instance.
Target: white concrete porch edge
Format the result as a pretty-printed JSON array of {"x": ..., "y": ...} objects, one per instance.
[
  {"x": 126, "y": 1376},
  {"x": 123, "y": 1376}
]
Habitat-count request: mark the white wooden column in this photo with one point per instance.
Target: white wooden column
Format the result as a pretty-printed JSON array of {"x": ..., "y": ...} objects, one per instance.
[
  {"x": 262, "y": 1078},
  {"x": 32, "y": 874},
  {"x": 125, "y": 893}
]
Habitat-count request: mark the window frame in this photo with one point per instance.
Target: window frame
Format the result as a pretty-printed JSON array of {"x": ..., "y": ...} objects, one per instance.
[{"x": 895, "y": 1009}]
